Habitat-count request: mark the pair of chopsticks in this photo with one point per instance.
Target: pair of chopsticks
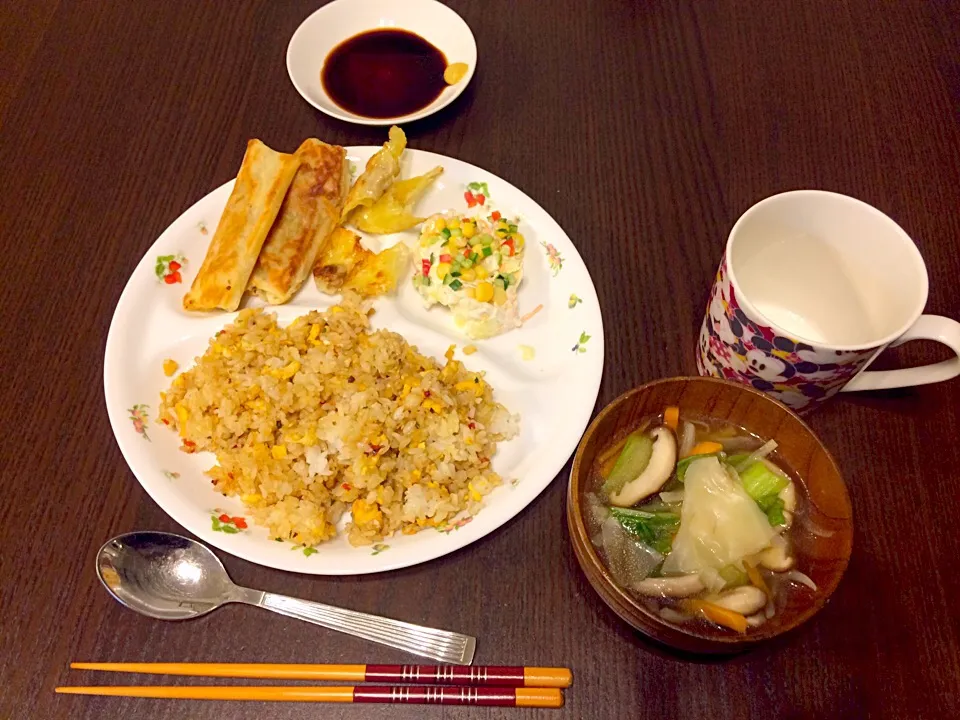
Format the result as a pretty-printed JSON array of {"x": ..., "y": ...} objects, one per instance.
[{"x": 491, "y": 685}]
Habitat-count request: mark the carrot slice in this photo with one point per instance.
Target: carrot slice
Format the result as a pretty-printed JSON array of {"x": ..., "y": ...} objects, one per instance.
[
  {"x": 705, "y": 448},
  {"x": 671, "y": 417},
  {"x": 756, "y": 578},
  {"x": 719, "y": 615}
]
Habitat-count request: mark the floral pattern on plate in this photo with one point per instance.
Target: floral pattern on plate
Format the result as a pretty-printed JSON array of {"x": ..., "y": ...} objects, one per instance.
[
  {"x": 167, "y": 268},
  {"x": 226, "y": 524},
  {"x": 554, "y": 258},
  {"x": 138, "y": 416}
]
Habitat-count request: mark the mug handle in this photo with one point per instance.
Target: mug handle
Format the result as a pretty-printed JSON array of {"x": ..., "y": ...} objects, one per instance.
[{"x": 927, "y": 327}]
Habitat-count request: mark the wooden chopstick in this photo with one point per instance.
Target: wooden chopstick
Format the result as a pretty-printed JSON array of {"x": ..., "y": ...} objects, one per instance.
[
  {"x": 480, "y": 676},
  {"x": 395, "y": 695}
]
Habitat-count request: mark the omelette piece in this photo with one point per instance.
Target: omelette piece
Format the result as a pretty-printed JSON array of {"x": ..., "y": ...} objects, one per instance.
[
  {"x": 381, "y": 170},
  {"x": 392, "y": 212},
  {"x": 344, "y": 264},
  {"x": 251, "y": 209},
  {"x": 474, "y": 267},
  {"x": 308, "y": 215}
]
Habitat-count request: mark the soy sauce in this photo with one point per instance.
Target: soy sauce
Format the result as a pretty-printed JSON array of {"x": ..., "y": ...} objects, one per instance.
[{"x": 384, "y": 73}]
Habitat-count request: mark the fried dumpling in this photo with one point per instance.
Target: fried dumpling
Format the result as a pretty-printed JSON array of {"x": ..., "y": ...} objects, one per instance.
[
  {"x": 251, "y": 209},
  {"x": 381, "y": 170},
  {"x": 309, "y": 213},
  {"x": 378, "y": 273},
  {"x": 392, "y": 212},
  {"x": 344, "y": 264}
]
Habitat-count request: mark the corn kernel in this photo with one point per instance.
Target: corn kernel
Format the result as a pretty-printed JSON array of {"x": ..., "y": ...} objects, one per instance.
[
  {"x": 314, "y": 333},
  {"x": 518, "y": 241},
  {"x": 468, "y": 275},
  {"x": 439, "y": 225},
  {"x": 485, "y": 292},
  {"x": 460, "y": 242},
  {"x": 468, "y": 229},
  {"x": 182, "y": 416},
  {"x": 279, "y": 452},
  {"x": 442, "y": 270},
  {"x": 170, "y": 367},
  {"x": 499, "y": 296},
  {"x": 481, "y": 272},
  {"x": 453, "y": 223},
  {"x": 470, "y": 293},
  {"x": 469, "y": 349}
]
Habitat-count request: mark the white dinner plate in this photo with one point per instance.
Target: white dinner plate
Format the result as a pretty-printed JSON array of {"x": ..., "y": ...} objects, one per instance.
[
  {"x": 329, "y": 26},
  {"x": 553, "y": 392}
]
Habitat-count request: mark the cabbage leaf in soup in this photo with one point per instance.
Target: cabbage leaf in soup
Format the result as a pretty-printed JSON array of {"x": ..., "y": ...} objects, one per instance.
[{"x": 720, "y": 523}]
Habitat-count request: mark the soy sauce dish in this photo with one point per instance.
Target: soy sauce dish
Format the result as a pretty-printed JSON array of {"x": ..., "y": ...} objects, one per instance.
[
  {"x": 377, "y": 62},
  {"x": 707, "y": 515}
]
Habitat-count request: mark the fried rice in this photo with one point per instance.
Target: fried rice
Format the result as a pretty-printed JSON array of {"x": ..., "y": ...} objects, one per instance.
[{"x": 325, "y": 416}]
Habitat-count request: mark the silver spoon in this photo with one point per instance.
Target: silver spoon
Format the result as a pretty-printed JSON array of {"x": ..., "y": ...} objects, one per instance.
[{"x": 170, "y": 577}]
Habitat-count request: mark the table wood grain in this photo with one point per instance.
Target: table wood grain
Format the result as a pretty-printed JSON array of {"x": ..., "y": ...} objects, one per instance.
[{"x": 645, "y": 129}]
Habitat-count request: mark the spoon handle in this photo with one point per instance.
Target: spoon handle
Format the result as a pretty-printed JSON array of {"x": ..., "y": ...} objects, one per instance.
[{"x": 442, "y": 645}]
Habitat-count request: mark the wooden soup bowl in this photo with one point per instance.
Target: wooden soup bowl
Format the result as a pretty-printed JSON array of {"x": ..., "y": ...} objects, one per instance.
[{"x": 821, "y": 536}]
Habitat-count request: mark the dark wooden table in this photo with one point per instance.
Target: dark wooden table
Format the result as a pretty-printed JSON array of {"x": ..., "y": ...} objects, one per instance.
[{"x": 645, "y": 129}]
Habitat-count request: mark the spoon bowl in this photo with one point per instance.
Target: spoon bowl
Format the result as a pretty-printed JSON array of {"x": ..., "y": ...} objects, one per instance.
[
  {"x": 163, "y": 576},
  {"x": 170, "y": 577}
]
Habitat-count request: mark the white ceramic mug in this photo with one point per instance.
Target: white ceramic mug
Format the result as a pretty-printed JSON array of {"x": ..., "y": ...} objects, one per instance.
[{"x": 812, "y": 287}]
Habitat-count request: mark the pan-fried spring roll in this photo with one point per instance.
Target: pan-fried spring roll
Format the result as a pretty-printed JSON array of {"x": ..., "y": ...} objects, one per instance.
[
  {"x": 251, "y": 209},
  {"x": 380, "y": 171},
  {"x": 309, "y": 213}
]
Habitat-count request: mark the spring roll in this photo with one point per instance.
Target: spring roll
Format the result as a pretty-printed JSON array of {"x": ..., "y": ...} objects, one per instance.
[
  {"x": 309, "y": 213},
  {"x": 251, "y": 209}
]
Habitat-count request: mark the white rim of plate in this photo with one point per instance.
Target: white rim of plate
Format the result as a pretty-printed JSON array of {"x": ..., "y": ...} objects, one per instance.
[{"x": 499, "y": 507}]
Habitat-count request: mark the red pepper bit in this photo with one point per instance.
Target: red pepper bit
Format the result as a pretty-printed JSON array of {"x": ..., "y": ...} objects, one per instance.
[
  {"x": 174, "y": 266},
  {"x": 426, "y": 267},
  {"x": 481, "y": 198},
  {"x": 472, "y": 426},
  {"x": 170, "y": 279},
  {"x": 224, "y": 518},
  {"x": 446, "y": 257},
  {"x": 469, "y": 197},
  {"x": 177, "y": 277},
  {"x": 495, "y": 215},
  {"x": 240, "y": 522},
  {"x": 346, "y": 486},
  {"x": 426, "y": 393},
  {"x": 509, "y": 245},
  {"x": 467, "y": 250}
]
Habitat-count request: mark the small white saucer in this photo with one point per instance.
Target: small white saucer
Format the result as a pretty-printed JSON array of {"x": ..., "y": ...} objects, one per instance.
[{"x": 342, "y": 19}]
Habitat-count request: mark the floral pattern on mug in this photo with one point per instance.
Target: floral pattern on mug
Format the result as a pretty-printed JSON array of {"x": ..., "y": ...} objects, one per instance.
[{"x": 734, "y": 347}]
